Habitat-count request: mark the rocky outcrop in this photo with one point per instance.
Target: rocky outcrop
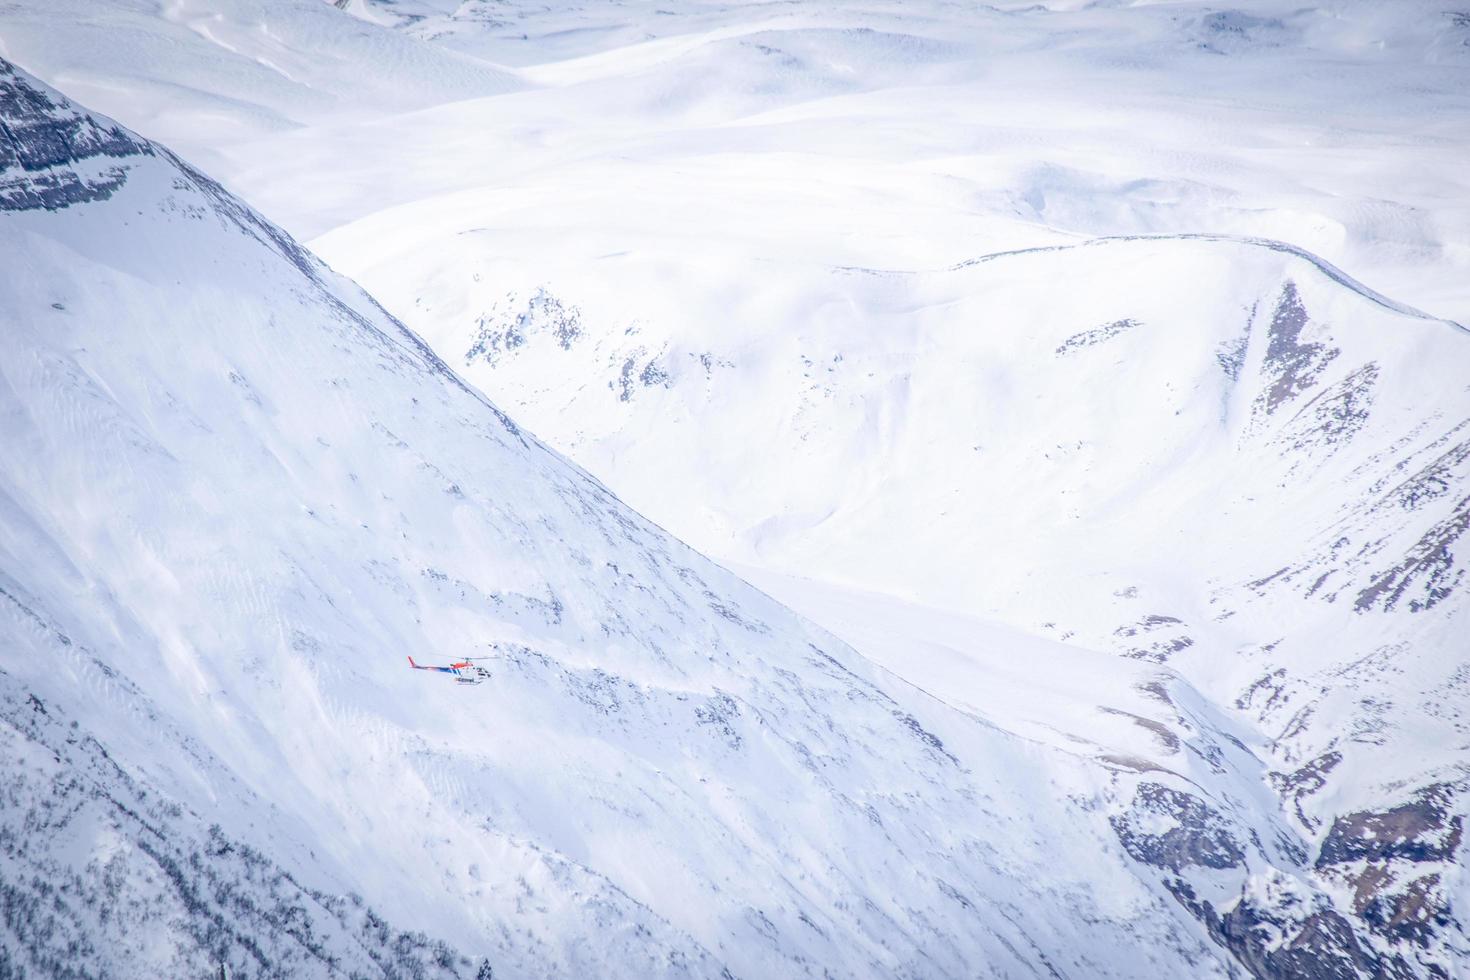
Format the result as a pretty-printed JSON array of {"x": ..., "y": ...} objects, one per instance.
[
  {"x": 1095, "y": 336},
  {"x": 1174, "y": 830},
  {"x": 501, "y": 332},
  {"x": 1154, "y": 638},
  {"x": 1394, "y": 861},
  {"x": 1293, "y": 364},
  {"x": 52, "y": 156},
  {"x": 1428, "y": 573},
  {"x": 1284, "y": 922},
  {"x": 1285, "y": 939}
]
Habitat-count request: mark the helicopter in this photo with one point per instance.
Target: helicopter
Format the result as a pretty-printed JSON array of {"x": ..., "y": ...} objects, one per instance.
[{"x": 465, "y": 671}]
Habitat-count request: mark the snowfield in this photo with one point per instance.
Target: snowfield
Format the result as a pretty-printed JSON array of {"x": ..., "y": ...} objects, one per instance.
[{"x": 1084, "y": 387}]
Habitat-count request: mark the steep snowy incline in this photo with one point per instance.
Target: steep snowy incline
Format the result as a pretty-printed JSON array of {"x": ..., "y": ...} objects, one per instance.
[
  {"x": 1222, "y": 455},
  {"x": 1127, "y": 389},
  {"x": 235, "y": 495}
]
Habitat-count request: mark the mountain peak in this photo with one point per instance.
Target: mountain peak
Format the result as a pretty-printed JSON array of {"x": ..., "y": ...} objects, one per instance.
[{"x": 53, "y": 155}]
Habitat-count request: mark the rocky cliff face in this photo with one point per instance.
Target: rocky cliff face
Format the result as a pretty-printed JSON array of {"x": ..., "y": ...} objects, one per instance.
[{"x": 53, "y": 155}]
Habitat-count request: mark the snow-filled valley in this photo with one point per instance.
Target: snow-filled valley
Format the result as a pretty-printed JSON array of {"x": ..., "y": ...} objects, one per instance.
[{"x": 1081, "y": 388}]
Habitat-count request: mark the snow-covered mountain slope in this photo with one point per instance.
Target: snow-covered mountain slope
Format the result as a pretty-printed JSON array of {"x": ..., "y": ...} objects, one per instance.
[
  {"x": 204, "y": 75},
  {"x": 748, "y": 270},
  {"x": 1169, "y": 528},
  {"x": 1222, "y": 455},
  {"x": 916, "y": 135},
  {"x": 998, "y": 408},
  {"x": 891, "y": 134},
  {"x": 236, "y": 495}
]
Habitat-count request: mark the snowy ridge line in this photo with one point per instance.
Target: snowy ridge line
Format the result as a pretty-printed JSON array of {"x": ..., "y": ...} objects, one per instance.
[
  {"x": 278, "y": 240},
  {"x": 273, "y": 236},
  {"x": 409, "y": 343},
  {"x": 1326, "y": 268},
  {"x": 1322, "y": 265},
  {"x": 317, "y": 271}
]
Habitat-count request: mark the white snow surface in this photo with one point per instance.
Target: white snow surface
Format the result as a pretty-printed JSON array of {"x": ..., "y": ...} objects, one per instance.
[
  {"x": 236, "y": 495},
  {"x": 1096, "y": 370},
  {"x": 895, "y": 134},
  {"x": 971, "y": 310}
]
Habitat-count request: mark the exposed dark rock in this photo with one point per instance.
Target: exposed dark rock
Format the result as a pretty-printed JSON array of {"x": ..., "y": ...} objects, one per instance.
[
  {"x": 1422, "y": 829},
  {"x": 1151, "y": 644},
  {"x": 1097, "y": 335},
  {"x": 1230, "y": 355},
  {"x": 1200, "y": 838},
  {"x": 1334, "y": 415},
  {"x": 1320, "y": 943},
  {"x": 1292, "y": 365},
  {"x": 1167, "y": 740},
  {"x": 42, "y": 142},
  {"x": 1264, "y": 692},
  {"x": 1298, "y": 785},
  {"x": 1413, "y": 913},
  {"x": 499, "y": 333},
  {"x": 650, "y": 374},
  {"x": 710, "y": 361},
  {"x": 1131, "y": 763},
  {"x": 1421, "y": 576},
  {"x": 1434, "y": 480},
  {"x": 721, "y": 712},
  {"x": 733, "y": 614},
  {"x": 1227, "y": 32},
  {"x": 924, "y": 735},
  {"x": 653, "y": 374},
  {"x": 1427, "y": 574},
  {"x": 1381, "y": 856}
]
